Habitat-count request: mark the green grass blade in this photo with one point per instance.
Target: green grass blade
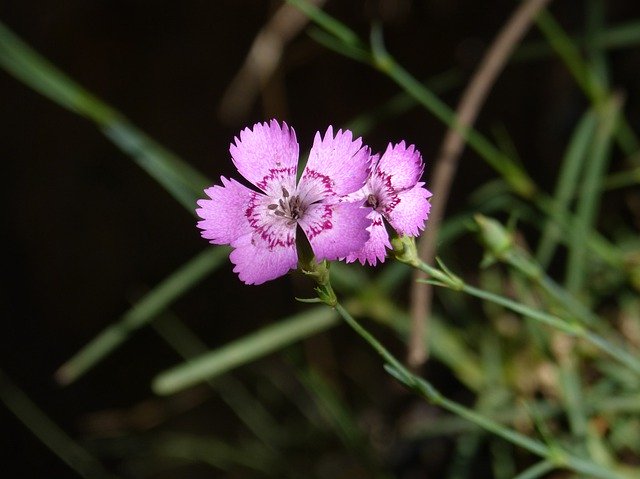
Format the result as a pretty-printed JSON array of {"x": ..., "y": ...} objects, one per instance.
[
  {"x": 443, "y": 277},
  {"x": 213, "y": 452},
  {"x": 615, "y": 351},
  {"x": 539, "y": 469},
  {"x": 176, "y": 176},
  {"x": 231, "y": 391},
  {"x": 589, "y": 83},
  {"x": 327, "y": 40},
  {"x": 591, "y": 192},
  {"x": 596, "y": 53},
  {"x": 51, "y": 435},
  {"x": 624, "y": 35},
  {"x": 401, "y": 103},
  {"x": 330, "y": 24},
  {"x": 339, "y": 416},
  {"x": 28, "y": 66},
  {"x": 566, "y": 187},
  {"x": 623, "y": 179},
  {"x": 154, "y": 302},
  {"x": 246, "y": 349},
  {"x": 425, "y": 389},
  {"x": 180, "y": 179},
  {"x": 567, "y": 50},
  {"x": 513, "y": 174}
]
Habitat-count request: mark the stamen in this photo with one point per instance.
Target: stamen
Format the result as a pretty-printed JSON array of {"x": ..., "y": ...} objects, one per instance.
[
  {"x": 290, "y": 207},
  {"x": 372, "y": 201}
]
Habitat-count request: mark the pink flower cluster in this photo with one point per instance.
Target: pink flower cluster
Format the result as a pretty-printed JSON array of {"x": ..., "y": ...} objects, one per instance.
[{"x": 340, "y": 203}]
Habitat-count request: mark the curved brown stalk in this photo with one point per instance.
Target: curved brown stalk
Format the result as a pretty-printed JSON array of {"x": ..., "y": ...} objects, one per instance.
[{"x": 447, "y": 163}]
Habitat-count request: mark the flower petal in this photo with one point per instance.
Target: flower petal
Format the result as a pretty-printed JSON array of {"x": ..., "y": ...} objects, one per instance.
[
  {"x": 403, "y": 164},
  {"x": 340, "y": 163},
  {"x": 335, "y": 231},
  {"x": 223, "y": 215},
  {"x": 267, "y": 156},
  {"x": 376, "y": 247},
  {"x": 256, "y": 262},
  {"x": 410, "y": 213}
]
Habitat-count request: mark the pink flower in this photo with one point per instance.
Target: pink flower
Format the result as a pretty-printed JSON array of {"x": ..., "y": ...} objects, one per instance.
[
  {"x": 261, "y": 226},
  {"x": 395, "y": 194}
]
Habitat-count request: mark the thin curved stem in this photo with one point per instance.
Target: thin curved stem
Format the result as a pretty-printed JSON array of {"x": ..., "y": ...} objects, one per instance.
[{"x": 554, "y": 456}]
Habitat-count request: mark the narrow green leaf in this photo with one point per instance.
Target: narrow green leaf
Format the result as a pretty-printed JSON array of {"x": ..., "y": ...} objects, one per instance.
[
  {"x": 214, "y": 452},
  {"x": 342, "y": 420},
  {"x": 179, "y": 178},
  {"x": 333, "y": 26},
  {"x": 539, "y": 469},
  {"x": 402, "y": 103},
  {"x": 154, "y": 302},
  {"x": 590, "y": 194},
  {"x": 596, "y": 53},
  {"x": 51, "y": 435},
  {"x": 624, "y": 35},
  {"x": 329, "y": 41},
  {"x": 593, "y": 88},
  {"x": 233, "y": 392},
  {"x": 566, "y": 186},
  {"x": 28, "y": 66},
  {"x": 246, "y": 349}
]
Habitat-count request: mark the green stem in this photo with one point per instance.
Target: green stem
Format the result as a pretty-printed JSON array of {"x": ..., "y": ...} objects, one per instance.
[
  {"x": 573, "y": 329},
  {"x": 555, "y": 456},
  {"x": 514, "y": 175}
]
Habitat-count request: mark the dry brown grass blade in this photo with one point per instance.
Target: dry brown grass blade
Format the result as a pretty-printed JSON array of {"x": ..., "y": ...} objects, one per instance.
[
  {"x": 447, "y": 163},
  {"x": 262, "y": 61}
]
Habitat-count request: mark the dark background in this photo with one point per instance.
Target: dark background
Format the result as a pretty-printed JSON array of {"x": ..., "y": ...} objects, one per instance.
[{"x": 87, "y": 231}]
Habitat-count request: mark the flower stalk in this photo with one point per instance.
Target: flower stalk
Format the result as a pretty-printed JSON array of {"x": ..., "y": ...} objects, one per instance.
[
  {"x": 445, "y": 278},
  {"x": 555, "y": 456}
]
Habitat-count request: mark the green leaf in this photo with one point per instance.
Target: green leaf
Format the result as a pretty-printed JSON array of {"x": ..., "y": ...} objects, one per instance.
[
  {"x": 154, "y": 302},
  {"x": 180, "y": 179},
  {"x": 246, "y": 349}
]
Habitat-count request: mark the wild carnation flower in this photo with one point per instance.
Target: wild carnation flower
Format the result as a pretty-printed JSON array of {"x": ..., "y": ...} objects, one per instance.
[
  {"x": 395, "y": 194},
  {"x": 261, "y": 225}
]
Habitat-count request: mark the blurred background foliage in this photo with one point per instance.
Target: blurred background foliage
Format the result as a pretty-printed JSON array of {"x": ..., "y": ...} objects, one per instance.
[{"x": 108, "y": 284}]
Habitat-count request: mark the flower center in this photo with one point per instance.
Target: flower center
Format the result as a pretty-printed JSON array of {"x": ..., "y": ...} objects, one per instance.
[
  {"x": 372, "y": 201},
  {"x": 289, "y": 207}
]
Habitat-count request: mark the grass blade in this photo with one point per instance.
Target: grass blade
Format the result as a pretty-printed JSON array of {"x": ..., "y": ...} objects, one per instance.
[
  {"x": 589, "y": 83},
  {"x": 566, "y": 186},
  {"x": 154, "y": 302},
  {"x": 248, "y": 348},
  {"x": 250, "y": 411},
  {"x": 176, "y": 176},
  {"x": 591, "y": 192},
  {"x": 51, "y": 435}
]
